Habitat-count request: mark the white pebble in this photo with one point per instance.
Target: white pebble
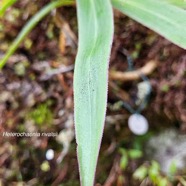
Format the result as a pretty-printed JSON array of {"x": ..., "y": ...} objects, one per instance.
[
  {"x": 49, "y": 154},
  {"x": 138, "y": 124}
]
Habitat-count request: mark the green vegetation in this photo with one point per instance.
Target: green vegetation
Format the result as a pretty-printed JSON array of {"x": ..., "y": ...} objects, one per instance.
[
  {"x": 152, "y": 172},
  {"x": 30, "y": 25},
  {"x": 95, "y": 20},
  {"x": 5, "y": 4},
  {"x": 90, "y": 82},
  {"x": 41, "y": 115},
  {"x": 127, "y": 155}
]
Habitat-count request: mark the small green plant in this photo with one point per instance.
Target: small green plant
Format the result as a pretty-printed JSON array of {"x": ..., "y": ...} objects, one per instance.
[
  {"x": 129, "y": 154},
  {"x": 95, "y": 22},
  {"x": 152, "y": 172},
  {"x": 41, "y": 115}
]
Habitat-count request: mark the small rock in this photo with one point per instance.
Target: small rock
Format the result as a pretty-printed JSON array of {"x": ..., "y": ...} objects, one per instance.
[{"x": 49, "y": 154}]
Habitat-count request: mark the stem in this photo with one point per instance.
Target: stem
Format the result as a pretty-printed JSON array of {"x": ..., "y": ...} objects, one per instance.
[{"x": 30, "y": 25}]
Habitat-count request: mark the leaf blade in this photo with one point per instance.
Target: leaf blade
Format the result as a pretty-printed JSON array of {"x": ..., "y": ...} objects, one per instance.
[
  {"x": 90, "y": 81},
  {"x": 179, "y": 3},
  {"x": 5, "y": 4},
  {"x": 162, "y": 17}
]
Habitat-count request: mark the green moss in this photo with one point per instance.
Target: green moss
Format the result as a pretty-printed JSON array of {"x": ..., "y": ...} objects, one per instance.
[
  {"x": 165, "y": 88},
  {"x": 41, "y": 114}
]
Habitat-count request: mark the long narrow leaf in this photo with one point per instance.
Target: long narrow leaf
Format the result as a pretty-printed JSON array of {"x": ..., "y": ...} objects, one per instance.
[
  {"x": 178, "y": 3},
  {"x": 30, "y": 25},
  {"x": 4, "y": 5},
  {"x": 95, "y": 20},
  {"x": 162, "y": 17}
]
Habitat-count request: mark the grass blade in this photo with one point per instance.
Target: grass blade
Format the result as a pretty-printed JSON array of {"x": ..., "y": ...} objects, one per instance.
[
  {"x": 95, "y": 21},
  {"x": 5, "y": 4},
  {"x": 178, "y": 3},
  {"x": 160, "y": 16},
  {"x": 30, "y": 25}
]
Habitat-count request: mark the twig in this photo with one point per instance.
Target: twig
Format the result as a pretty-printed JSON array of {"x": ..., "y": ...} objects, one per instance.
[
  {"x": 134, "y": 75},
  {"x": 51, "y": 72},
  {"x": 113, "y": 174}
]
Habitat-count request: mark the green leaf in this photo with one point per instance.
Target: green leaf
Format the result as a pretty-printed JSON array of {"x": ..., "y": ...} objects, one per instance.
[
  {"x": 141, "y": 173},
  {"x": 155, "y": 166},
  {"x": 173, "y": 168},
  {"x": 160, "y": 16},
  {"x": 123, "y": 162},
  {"x": 30, "y": 25},
  {"x": 5, "y": 4},
  {"x": 162, "y": 181},
  {"x": 95, "y": 21},
  {"x": 154, "y": 171},
  {"x": 135, "y": 154},
  {"x": 178, "y": 3}
]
